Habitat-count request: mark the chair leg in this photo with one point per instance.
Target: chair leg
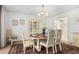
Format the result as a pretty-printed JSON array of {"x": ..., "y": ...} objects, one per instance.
[
  {"x": 24, "y": 49},
  {"x": 11, "y": 42},
  {"x": 33, "y": 49},
  {"x": 47, "y": 50},
  {"x": 55, "y": 49},
  {"x": 60, "y": 47},
  {"x": 40, "y": 47}
]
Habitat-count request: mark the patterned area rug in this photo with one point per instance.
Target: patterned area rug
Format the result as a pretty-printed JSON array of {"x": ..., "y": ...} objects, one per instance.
[{"x": 67, "y": 49}]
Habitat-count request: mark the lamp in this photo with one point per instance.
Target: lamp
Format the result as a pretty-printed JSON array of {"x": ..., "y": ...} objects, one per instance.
[{"x": 43, "y": 12}]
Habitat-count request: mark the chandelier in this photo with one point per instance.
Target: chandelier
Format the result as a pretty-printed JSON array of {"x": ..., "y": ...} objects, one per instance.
[{"x": 43, "y": 12}]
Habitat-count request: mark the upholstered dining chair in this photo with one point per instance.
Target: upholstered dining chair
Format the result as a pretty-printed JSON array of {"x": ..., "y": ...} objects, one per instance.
[
  {"x": 27, "y": 43},
  {"x": 58, "y": 35},
  {"x": 49, "y": 42}
]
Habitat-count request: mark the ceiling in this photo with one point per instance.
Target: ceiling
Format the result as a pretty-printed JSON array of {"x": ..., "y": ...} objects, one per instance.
[{"x": 53, "y": 10}]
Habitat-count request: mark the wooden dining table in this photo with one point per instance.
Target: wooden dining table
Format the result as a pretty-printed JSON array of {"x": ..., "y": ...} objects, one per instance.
[{"x": 38, "y": 38}]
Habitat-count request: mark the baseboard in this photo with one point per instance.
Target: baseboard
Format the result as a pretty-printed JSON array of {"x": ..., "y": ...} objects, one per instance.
[
  {"x": 70, "y": 43},
  {"x": 67, "y": 42}
]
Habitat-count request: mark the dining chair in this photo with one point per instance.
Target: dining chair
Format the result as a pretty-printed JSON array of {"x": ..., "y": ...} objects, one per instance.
[
  {"x": 58, "y": 35},
  {"x": 27, "y": 43},
  {"x": 49, "y": 42}
]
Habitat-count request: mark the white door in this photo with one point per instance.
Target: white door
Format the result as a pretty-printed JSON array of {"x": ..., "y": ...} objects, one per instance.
[{"x": 64, "y": 29}]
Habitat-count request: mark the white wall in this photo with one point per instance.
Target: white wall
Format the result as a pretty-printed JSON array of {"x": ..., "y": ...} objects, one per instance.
[
  {"x": 72, "y": 25},
  {"x": 17, "y": 30}
]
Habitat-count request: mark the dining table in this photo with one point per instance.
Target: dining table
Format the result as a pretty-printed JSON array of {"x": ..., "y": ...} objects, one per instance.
[{"x": 38, "y": 38}]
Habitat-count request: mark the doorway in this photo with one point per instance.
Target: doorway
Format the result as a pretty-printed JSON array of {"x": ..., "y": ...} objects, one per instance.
[{"x": 64, "y": 29}]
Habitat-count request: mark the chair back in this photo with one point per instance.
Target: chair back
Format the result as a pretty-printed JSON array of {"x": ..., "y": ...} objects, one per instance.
[
  {"x": 58, "y": 35},
  {"x": 50, "y": 39}
]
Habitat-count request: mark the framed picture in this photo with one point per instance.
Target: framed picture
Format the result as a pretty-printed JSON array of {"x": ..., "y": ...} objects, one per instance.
[
  {"x": 15, "y": 22},
  {"x": 22, "y": 21}
]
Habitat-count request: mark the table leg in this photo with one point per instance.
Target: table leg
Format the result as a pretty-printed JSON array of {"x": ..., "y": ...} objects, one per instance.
[{"x": 38, "y": 45}]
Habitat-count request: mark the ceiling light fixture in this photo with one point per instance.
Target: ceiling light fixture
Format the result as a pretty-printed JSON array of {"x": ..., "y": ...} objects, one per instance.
[{"x": 43, "y": 12}]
